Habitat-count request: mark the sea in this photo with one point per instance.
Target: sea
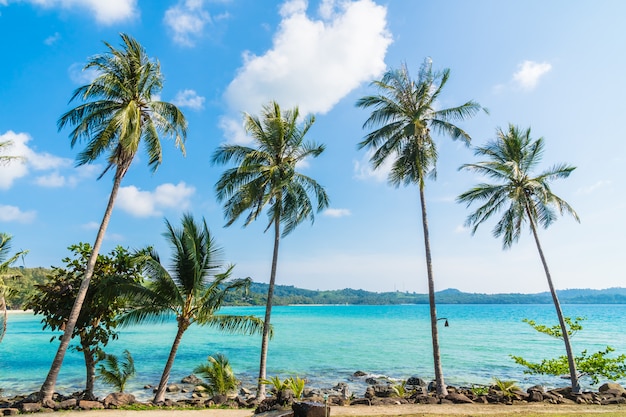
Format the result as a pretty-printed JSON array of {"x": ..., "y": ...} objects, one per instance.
[{"x": 327, "y": 344}]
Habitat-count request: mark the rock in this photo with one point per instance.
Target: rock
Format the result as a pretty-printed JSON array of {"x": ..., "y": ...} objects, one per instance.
[
  {"x": 359, "y": 374},
  {"x": 219, "y": 399},
  {"x": 118, "y": 399},
  {"x": 66, "y": 404},
  {"x": 10, "y": 411},
  {"x": 383, "y": 391},
  {"x": 276, "y": 413},
  {"x": 191, "y": 379},
  {"x": 172, "y": 388},
  {"x": 458, "y": 398},
  {"x": 360, "y": 401},
  {"x": 611, "y": 386},
  {"x": 90, "y": 405},
  {"x": 416, "y": 381},
  {"x": 30, "y": 407},
  {"x": 310, "y": 409},
  {"x": 613, "y": 400},
  {"x": 535, "y": 396}
]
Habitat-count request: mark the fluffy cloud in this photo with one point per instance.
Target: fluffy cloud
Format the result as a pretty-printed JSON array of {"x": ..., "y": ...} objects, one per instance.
[
  {"x": 336, "y": 212},
  {"x": 149, "y": 204},
  {"x": 314, "y": 63},
  {"x": 80, "y": 76},
  {"x": 50, "y": 40},
  {"x": 363, "y": 169},
  {"x": 50, "y": 166},
  {"x": 106, "y": 12},
  {"x": 189, "y": 99},
  {"x": 14, "y": 214},
  {"x": 186, "y": 20},
  {"x": 529, "y": 73}
]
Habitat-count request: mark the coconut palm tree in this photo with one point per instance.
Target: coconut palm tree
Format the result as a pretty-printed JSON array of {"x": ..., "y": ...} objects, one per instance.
[
  {"x": 5, "y": 263},
  {"x": 266, "y": 176},
  {"x": 119, "y": 113},
  {"x": 193, "y": 289},
  {"x": 404, "y": 115},
  {"x": 524, "y": 198}
]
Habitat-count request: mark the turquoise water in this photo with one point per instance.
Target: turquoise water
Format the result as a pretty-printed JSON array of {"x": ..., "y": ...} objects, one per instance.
[{"x": 327, "y": 344}]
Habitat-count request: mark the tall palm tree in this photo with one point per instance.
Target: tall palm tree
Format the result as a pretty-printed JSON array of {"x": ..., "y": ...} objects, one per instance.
[
  {"x": 118, "y": 114},
  {"x": 404, "y": 114},
  {"x": 5, "y": 263},
  {"x": 266, "y": 175},
  {"x": 193, "y": 289},
  {"x": 523, "y": 197}
]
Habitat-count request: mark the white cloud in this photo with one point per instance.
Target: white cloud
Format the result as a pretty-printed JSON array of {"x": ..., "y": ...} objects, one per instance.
[
  {"x": 187, "y": 19},
  {"x": 189, "y": 99},
  {"x": 529, "y": 74},
  {"x": 149, "y": 204},
  {"x": 234, "y": 131},
  {"x": 314, "y": 63},
  {"x": 50, "y": 40},
  {"x": 337, "y": 212},
  {"x": 80, "y": 76},
  {"x": 14, "y": 214},
  {"x": 106, "y": 12},
  {"x": 593, "y": 187},
  {"x": 363, "y": 169}
]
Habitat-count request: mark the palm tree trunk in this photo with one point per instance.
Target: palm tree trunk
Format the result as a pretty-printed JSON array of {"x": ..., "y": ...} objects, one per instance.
[
  {"x": 3, "y": 317},
  {"x": 441, "y": 386},
  {"x": 568, "y": 347},
  {"x": 159, "y": 397},
  {"x": 268, "y": 311},
  {"x": 47, "y": 389}
]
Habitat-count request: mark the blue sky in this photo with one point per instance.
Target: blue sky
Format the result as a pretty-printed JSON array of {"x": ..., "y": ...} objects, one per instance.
[{"x": 555, "y": 66}]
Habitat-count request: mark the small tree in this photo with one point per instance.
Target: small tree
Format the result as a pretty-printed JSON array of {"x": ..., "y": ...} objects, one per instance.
[
  {"x": 219, "y": 375},
  {"x": 592, "y": 365},
  {"x": 114, "y": 372},
  {"x": 97, "y": 322}
]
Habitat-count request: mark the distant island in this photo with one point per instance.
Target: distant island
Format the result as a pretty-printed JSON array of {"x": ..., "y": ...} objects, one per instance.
[{"x": 289, "y": 295}]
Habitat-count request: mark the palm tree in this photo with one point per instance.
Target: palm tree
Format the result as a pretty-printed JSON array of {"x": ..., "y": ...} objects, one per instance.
[
  {"x": 404, "y": 114},
  {"x": 219, "y": 375},
  {"x": 266, "y": 175},
  {"x": 118, "y": 114},
  {"x": 193, "y": 291},
  {"x": 115, "y": 372},
  {"x": 523, "y": 197},
  {"x": 5, "y": 263}
]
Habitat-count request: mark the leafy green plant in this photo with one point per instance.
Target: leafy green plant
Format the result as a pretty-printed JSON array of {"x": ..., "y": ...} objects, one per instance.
[
  {"x": 400, "y": 389},
  {"x": 114, "y": 372},
  {"x": 218, "y": 374},
  {"x": 296, "y": 385},
  {"x": 278, "y": 385},
  {"x": 479, "y": 390},
  {"x": 506, "y": 387},
  {"x": 593, "y": 365}
]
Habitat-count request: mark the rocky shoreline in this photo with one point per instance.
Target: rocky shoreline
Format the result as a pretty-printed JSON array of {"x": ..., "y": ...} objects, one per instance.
[{"x": 190, "y": 393}]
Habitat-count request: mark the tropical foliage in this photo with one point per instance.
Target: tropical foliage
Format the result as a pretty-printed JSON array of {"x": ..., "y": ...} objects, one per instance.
[
  {"x": 5, "y": 291},
  {"x": 404, "y": 115},
  {"x": 97, "y": 322},
  {"x": 192, "y": 289},
  {"x": 120, "y": 111},
  {"x": 594, "y": 366},
  {"x": 524, "y": 197},
  {"x": 219, "y": 375},
  {"x": 266, "y": 177},
  {"x": 115, "y": 372}
]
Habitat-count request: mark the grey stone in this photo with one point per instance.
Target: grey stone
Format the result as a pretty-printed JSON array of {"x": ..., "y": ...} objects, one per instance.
[{"x": 310, "y": 409}]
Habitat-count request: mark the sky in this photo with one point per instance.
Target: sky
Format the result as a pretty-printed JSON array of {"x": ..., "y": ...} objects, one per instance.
[{"x": 557, "y": 67}]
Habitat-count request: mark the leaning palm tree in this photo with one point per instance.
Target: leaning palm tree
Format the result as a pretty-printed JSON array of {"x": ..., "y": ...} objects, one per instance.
[
  {"x": 5, "y": 263},
  {"x": 118, "y": 114},
  {"x": 193, "y": 290},
  {"x": 404, "y": 114},
  {"x": 266, "y": 176},
  {"x": 524, "y": 198}
]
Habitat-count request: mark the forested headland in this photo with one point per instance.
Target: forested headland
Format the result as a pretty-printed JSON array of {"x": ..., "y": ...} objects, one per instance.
[{"x": 25, "y": 279}]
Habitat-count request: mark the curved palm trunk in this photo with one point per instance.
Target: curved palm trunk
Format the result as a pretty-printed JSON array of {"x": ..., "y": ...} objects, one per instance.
[
  {"x": 47, "y": 389},
  {"x": 3, "y": 317},
  {"x": 268, "y": 311},
  {"x": 159, "y": 397},
  {"x": 441, "y": 386},
  {"x": 568, "y": 347}
]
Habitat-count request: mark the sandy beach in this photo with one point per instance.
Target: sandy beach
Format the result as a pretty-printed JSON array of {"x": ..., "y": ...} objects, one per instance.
[{"x": 387, "y": 410}]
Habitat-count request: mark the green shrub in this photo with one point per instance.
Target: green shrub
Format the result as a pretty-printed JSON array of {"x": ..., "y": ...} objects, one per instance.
[{"x": 219, "y": 375}]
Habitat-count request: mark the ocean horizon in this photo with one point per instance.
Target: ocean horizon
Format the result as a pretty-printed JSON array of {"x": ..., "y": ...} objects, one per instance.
[{"x": 327, "y": 344}]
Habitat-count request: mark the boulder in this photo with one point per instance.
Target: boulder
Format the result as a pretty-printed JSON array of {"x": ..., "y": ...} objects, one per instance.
[
  {"x": 191, "y": 379},
  {"x": 66, "y": 404},
  {"x": 30, "y": 407},
  {"x": 90, "y": 405},
  {"x": 360, "y": 401},
  {"x": 118, "y": 399},
  {"x": 172, "y": 388},
  {"x": 310, "y": 409},
  {"x": 416, "y": 381},
  {"x": 458, "y": 398},
  {"x": 10, "y": 411},
  {"x": 359, "y": 374},
  {"x": 611, "y": 386}
]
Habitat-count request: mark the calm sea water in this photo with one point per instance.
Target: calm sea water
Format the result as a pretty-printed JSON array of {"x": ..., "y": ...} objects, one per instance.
[{"x": 327, "y": 344}]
